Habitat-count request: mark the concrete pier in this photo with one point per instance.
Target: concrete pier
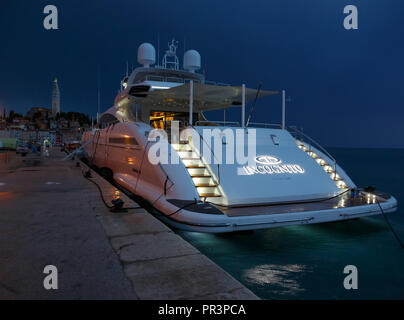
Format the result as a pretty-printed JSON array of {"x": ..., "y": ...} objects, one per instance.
[{"x": 49, "y": 214}]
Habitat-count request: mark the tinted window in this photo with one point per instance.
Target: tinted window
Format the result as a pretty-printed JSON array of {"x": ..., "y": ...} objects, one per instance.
[{"x": 129, "y": 141}]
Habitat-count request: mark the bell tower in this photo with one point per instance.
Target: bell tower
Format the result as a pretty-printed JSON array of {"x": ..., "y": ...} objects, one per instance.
[{"x": 55, "y": 98}]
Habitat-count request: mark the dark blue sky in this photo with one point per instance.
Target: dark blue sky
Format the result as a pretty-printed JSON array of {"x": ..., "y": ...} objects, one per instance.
[{"x": 346, "y": 87}]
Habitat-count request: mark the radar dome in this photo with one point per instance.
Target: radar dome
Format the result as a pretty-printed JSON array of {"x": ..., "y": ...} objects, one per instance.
[
  {"x": 192, "y": 60},
  {"x": 146, "y": 54}
]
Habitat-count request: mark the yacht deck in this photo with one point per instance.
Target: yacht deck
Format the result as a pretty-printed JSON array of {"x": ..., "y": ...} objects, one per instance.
[{"x": 342, "y": 201}]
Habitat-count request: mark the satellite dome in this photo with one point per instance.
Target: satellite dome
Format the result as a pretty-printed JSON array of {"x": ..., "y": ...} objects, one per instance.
[
  {"x": 146, "y": 54},
  {"x": 192, "y": 60}
]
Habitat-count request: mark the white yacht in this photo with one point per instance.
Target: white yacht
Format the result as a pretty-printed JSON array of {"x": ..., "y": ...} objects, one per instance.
[{"x": 289, "y": 180}]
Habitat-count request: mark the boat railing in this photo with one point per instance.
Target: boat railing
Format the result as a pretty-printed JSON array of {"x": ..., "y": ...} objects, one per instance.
[
  {"x": 299, "y": 135},
  {"x": 265, "y": 125},
  {"x": 217, "y": 83},
  {"x": 154, "y": 78},
  {"x": 201, "y": 142},
  {"x": 237, "y": 124},
  {"x": 170, "y": 79},
  {"x": 217, "y": 123}
]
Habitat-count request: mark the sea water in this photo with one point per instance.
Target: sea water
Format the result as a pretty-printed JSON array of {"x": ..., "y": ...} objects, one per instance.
[{"x": 307, "y": 262}]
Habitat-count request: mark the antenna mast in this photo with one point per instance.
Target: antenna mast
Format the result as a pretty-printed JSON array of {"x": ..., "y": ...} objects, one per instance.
[
  {"x": 170, "y": 59},
  {"x": 158, "y": 48},
  {"x": 98, "y": 94},
  {"x": 185, "y": 44}
]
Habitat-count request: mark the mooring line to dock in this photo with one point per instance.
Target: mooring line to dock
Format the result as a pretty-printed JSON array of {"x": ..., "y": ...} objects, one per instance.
[
  {"x": 102, "y": 194},
  {"x": 390, "y": 226}
]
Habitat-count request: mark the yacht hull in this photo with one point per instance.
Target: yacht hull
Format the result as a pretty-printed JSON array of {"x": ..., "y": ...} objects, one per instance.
[
  {"x": 174, "y": 195},
  {"x": 207, "y": 223}
]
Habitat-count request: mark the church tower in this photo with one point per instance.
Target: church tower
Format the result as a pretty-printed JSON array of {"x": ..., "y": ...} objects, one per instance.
[{"x": 55, "y": 98}]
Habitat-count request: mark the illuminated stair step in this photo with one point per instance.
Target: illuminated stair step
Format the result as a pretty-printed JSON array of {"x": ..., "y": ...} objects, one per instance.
[
  {"x": 181, "y": 147},
  {"x": 187, "y": 154},
  {"x": 205, "y": 185},
  {"x": 335, "y": 176},
  {"x": 203, "y": 180},
  {"x": 211, "y": 189},
  {"x": 341, "y": 184},
  {"x": 321, "y": 162},
  {"x": 201, "y": 175},
  {"x": 209, "y": 195},
  {"x": 193, "y": 162},
  {"x": 199, "y": 172}
]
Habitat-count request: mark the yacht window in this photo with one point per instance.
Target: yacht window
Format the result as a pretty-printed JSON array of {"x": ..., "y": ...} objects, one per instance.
[
  {"x": 139, "y": 91},
  {"x": 129, "y": 141},
  {"x": 195, "y": 80},
  {"x": 165, "y": 75},
  {"x": 175, "y": 79},
  {"x": 155, "y": 78}
]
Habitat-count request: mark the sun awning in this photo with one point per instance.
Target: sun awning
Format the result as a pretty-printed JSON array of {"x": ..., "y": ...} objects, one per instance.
[{"x": 206, "y": 97}]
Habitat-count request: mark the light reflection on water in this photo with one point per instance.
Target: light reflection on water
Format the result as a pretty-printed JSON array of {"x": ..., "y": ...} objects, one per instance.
[
  {"x": 306, "y": 262},
  {"x": 283, "y": 279}
]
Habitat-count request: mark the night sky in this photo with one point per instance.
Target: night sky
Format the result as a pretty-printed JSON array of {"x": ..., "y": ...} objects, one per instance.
[{"x": 345, "y": 87}]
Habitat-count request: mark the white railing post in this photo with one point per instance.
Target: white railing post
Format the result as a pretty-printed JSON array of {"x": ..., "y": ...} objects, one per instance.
[
  {"x": 191, "y": 100},
  {"x": 243, "y": 106},
  {"x": 283, "y": 109}
]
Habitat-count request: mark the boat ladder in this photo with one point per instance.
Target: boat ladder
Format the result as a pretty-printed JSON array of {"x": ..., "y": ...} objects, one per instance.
[
  {"x": 205, "y": 184},
  {"x": 328, "y": 168}
]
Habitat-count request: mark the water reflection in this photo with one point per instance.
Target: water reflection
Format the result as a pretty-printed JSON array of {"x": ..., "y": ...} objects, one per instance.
[
  {"x": 306, "y": 262},
  {"x": 283, "y": 279}
]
